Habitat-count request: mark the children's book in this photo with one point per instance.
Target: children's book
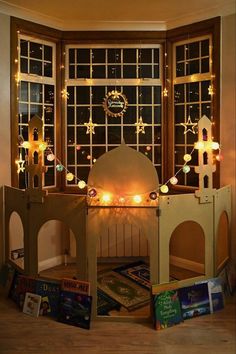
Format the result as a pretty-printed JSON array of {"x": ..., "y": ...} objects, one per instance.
[
  {"x": 32, "y": 304},
  {"x": 76, "y": 286},
  {"x": 216, "y": 295},
  {"x": 50, "y": 293},
  {"x": 194, "y": 300},
  {"x": 166, "y": 309},
  {"x": 75, "y": 309},
  {"x": 23, "y": 285}
]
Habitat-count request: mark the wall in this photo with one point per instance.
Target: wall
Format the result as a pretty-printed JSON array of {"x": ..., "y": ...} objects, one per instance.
[
  {"x": 5, "y": 174},
  {"x": 228, "y": 115}
]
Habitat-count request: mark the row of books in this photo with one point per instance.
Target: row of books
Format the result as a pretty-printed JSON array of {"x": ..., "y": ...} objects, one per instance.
[
  {"x": 68, "y": 300},
  {"x": 172, "y": 304}
]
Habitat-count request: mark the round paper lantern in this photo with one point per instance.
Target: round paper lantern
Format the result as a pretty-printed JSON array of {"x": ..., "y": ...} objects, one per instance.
[
  {"x": 174, "y": 180},
  {"x": 186, "y": 169},
  {"x": 164, "y": 188},
  {"x": 92, "y": 192},
  {"x": 69, "y": 176},
  {"x": 187, "y": 157},
  {"x": 59, "y": 168},
  {"x": 50, "y": 157},
  {"x": 82, "y": 184},
  {"x": 153, "y": 195}
]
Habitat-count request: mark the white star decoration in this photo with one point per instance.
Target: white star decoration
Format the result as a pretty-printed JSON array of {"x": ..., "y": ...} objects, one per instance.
[
  {"x": 140, "y": 126},
  {"x": 189, "y": 124},
  {"x": 90, "y": 126},
  {"x": 20, "y": 164}
]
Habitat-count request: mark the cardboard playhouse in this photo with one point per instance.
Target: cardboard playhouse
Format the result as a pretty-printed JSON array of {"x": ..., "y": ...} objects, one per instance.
[{"x": 123, "y": 217}]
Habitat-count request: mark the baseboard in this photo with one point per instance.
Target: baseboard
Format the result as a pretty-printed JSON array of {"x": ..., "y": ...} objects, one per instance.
[
  {"x": 187, "y": 264},
  {"x": 50, "y": 262}
]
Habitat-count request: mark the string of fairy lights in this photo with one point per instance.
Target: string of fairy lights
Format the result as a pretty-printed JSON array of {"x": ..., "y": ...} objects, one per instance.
[{"x": 189, "y": 127}]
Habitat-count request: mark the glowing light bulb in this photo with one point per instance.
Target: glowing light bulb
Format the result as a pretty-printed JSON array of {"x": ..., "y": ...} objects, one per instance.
[
  {"x": 82, "y": 184},
  {"x": 50, "y": 157},
  {"x": 187, "y": 157},
  {"x": 88, "y": 157},
  {"x": 148, "y": 148},
  {"x": 69, "y": 176},
  {"x": 186, "y": 169},
  {"x": 59, "y": 168},
  {"x": 43, "y": 146},
  {"x": 94, "y": 160},
  {"x": 26, "y": 145},
  {"x": 92, "y": 193},
  {"x": 137, "y": 199},
  {"x": 106, "y": 198},
  {"x": 121, "y": 200},
  {"x": 215, "y": 145},
  {"x": 78, "y": 147},
  {"x": 199, "y": 145},
  {"x": 174, "y": 180},
  {"x": 164, "y": 188}
]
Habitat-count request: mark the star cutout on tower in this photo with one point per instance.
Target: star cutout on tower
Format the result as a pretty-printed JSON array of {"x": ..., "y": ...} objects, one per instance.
[
  {"x": 20, "y": 164},
  {"x": 90, "y": 126},
  {"x": 189, "y": 124},
  {"x": 140, "y": 126}
]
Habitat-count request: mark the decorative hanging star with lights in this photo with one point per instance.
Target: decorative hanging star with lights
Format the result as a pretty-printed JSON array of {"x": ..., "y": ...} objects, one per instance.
[
  {"x": 140, "y": 126},
  {"x": 189, "y": 124},
  {"x": 90, "y": 126},
  {"x": 20, "y": 164}
]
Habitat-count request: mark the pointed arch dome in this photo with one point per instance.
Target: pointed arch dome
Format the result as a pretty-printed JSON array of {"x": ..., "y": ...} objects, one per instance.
[{"x": 123, "y": 171}]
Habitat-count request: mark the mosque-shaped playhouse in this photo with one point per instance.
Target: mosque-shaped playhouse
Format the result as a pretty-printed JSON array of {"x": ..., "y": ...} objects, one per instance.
[{"x": 123, "y": 219}]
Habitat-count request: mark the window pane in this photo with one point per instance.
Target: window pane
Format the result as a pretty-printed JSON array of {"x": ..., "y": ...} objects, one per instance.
[
  {"x": 36, "y": 67},
  {"x": 98, "y": 56},
  {"x": 82, "y": 95},
  {"x": 129, "y": 56},
  {"x": 35, "y": 50},
  {"x": 129, "y": 71},
  {"x": 83, "y": 56}
]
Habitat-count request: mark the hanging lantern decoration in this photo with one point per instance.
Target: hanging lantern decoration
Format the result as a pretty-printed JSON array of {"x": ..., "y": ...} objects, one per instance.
[
  {"x": 187, "y": 157},
  {"x": 59, "y": 168},
  {"x": 92, "y": 193},
  {"x": 69, "y": 176},
  {"x": 153, "y": 195},
  {"x": 51, "y": 157},
  {"x": 164, "y": 188},
  {"x": 173, "y": 180},
  {"x": 186, "y": 169},
  {"x": 82, "y": 184}
]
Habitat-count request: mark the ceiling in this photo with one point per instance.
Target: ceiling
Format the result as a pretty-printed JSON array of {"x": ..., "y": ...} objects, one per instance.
[{"x": 119, "y": 15}]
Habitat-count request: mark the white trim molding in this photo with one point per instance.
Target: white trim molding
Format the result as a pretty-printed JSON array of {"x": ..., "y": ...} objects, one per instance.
[{"x": 187, "y": 264}]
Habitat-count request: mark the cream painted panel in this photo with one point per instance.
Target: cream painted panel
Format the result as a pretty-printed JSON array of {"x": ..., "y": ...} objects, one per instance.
[{"x": 174, "y": 210}]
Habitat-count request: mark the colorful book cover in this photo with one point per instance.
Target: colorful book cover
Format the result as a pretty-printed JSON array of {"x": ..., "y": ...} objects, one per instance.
[
  {"x": 76, "y": 286},
  {"x": 23, "y": 285},
  {"x": 50, "y": 291},
  {"x": 216, "y": 295},
  {"x": 32, "y": 304},
  {"x": 166, "y": 309},
  {"x": 194, "y": 300},
  {"x": 75, "y": 309}
]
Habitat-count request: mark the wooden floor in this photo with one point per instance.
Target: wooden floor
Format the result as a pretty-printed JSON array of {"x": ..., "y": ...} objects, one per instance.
[{"x": 210, "y": 334}]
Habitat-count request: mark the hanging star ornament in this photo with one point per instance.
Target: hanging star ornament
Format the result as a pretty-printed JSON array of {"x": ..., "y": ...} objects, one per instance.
[
  {"x": 140, "y": 126},
  {"x": 189, "y": 124},
  {"x": 90, "y": 126},
  {"x": 20, "y": 164}
]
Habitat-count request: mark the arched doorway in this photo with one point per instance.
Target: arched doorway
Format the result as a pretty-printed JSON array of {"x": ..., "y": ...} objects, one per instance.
[
  {"x": 222, "y": 241},
  {"x": 187, "y": 251},
  {"x": 56, "y": 250},
  {"x": 16, "y": 240}
]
